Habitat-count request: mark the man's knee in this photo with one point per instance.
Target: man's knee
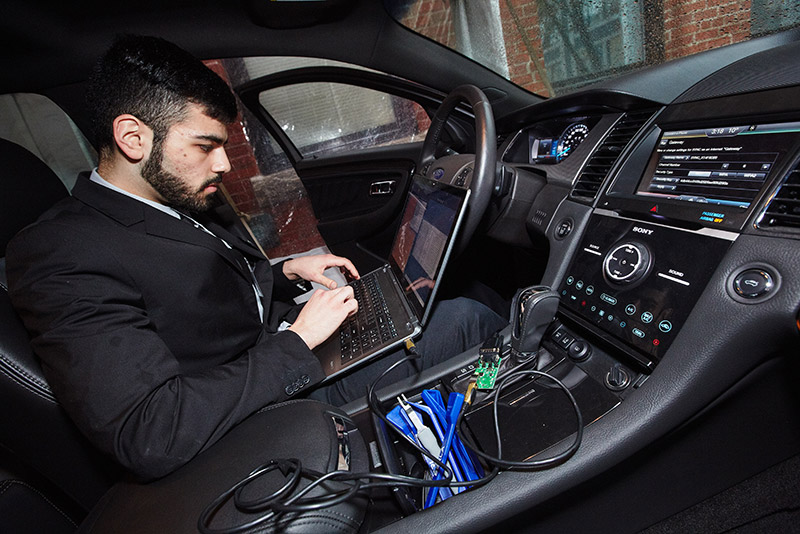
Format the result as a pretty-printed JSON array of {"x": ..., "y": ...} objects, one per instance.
[{"x": 470, "y": 313}]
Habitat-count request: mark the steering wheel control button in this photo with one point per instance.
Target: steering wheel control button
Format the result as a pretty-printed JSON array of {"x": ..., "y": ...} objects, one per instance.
[
  {"x": 626, "y": 263},
  {"x": 461, "y": 179},
  {"x": 753, "y": 283},
  {"x": 579, "y": 350}
]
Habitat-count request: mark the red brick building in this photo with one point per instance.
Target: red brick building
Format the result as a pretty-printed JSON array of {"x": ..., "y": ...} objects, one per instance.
[{"x": 662, "y": 29}]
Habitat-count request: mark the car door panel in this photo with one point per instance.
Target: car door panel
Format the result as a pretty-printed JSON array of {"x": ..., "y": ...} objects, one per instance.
[
  {"x": 357, "y": 199},
  {"x": 355, "y": 182}
]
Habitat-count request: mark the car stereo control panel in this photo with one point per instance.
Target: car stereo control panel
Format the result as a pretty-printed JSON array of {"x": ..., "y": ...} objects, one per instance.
[{"x": 638, "y": 282}]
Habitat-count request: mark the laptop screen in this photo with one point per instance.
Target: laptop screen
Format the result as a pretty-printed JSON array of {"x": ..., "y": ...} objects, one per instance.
[{"x": 422, "y": 244}]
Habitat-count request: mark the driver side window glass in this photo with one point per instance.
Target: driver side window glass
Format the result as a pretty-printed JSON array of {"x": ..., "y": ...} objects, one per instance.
[{"x": 322, "y": 118}]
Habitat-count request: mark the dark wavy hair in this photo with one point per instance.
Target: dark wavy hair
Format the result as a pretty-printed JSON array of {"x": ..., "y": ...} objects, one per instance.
[{"x": 154, "y": 80}]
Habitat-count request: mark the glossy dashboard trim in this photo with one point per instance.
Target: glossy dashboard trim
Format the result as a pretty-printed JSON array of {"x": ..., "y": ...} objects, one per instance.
[{"x": 710, "y": 232}]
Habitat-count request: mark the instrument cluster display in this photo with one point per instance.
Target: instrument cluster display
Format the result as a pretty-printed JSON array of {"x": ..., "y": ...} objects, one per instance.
[
  {"x": 549, "y": 142},
  {"x": 550, "y": 150}
]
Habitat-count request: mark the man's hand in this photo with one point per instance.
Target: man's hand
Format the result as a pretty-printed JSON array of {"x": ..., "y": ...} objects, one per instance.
[
  {"x": 323, "y": 313},
  {"x": 311, "y": 268}
]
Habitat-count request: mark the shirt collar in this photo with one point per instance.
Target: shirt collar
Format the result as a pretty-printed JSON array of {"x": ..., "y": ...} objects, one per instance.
[{"x": 96, "y": 178}]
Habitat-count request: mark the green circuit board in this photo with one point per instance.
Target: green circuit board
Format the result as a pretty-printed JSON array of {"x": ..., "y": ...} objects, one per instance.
[{"x": 486, "y": 372}]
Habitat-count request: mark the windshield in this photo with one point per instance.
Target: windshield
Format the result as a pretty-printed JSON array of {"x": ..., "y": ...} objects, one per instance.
[{"x": 553, "y": 47}]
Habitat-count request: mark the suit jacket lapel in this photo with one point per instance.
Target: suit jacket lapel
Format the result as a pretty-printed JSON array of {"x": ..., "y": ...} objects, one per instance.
[{"x": 139, "y": 216}]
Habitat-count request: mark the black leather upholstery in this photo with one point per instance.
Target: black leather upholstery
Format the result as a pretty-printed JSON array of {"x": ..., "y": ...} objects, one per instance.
[
  {"x": 32, "y": 423},
  {"x": 24, "y": 509},
  {"x": 35, "y": 427},
  {"x": 302, "y": 429}
]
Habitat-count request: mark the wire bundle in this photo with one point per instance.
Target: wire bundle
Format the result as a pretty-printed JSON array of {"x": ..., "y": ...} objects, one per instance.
[{"x": 289, "y": 499}]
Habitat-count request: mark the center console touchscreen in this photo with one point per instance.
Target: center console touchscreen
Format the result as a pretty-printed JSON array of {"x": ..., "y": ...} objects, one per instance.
[
  {"x": 711, "y": 176},
  {"x": 717, "y": 166}
]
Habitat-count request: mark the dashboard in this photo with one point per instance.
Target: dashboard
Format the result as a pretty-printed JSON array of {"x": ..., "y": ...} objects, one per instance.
[
  {"x": 673, "y": 239},
  {"x": 631, "y": 261}
]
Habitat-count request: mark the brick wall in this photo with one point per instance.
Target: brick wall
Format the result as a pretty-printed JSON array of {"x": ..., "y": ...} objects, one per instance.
[
  {"x": 692, "y": 27},
  {"x": 432, "y": 19},
  {"x": 689, "y": 27},
  {"x": 243, "y": 160},
  {"x": 518, "y": 16},
  {"x": 281, "y": 216}
]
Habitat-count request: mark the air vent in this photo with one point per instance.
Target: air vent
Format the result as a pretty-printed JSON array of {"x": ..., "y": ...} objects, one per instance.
[
  {"x": 597, "y": 168},
  {"x": 784, "y": 208}
]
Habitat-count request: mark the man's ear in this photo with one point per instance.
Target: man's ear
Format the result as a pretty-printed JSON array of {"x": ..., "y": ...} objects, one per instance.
[{"x": 133, "y": 137}]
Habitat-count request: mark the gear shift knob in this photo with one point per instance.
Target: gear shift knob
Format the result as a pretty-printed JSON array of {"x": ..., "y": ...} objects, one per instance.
[{"x": 532, "y": 310}]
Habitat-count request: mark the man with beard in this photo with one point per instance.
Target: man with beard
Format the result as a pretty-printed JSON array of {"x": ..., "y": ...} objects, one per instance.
[{"x": 160, "y": 326}]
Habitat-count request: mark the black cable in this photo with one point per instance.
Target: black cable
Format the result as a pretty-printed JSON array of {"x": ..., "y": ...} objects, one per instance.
[
  {"x": 204, "y": 521},
  {"x": 260, "y": 504},
  {"x": 373, "y": 403},
  {"x": 281, "y": 500},
  {"x": 535, "y": 464}
]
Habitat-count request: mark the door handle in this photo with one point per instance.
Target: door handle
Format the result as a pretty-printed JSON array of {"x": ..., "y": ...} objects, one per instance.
[{"x": 384, "y": 187}]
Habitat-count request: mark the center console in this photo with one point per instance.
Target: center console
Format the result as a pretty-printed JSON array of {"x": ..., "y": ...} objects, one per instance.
[
  {"x": 663, "y": 226},
  {"x": 649, "y": 247},
  {"x": 634, "y": 283}
]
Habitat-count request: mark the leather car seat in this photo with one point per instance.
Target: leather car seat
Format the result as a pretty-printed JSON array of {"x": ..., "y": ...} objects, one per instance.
[
  {"x": 36, "y": 432},
  {"x": 34, "y": 428}
]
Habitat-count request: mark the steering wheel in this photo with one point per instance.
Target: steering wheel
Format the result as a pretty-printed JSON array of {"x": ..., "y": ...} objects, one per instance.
[{"x": 475, "y": 172}]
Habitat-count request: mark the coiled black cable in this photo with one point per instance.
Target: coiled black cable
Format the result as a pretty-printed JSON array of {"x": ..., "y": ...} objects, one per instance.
[{"x": 286, "y": 500}]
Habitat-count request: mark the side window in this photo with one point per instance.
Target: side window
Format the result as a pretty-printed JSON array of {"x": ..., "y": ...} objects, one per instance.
[
  {"x": 319, "y": 118},
  {"x": 262, "y": 185},
  {"x": 323, "y": 118}
]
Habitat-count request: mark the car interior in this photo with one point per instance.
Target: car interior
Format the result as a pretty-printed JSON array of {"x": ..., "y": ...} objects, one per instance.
[{"x": 639, "y": 230}]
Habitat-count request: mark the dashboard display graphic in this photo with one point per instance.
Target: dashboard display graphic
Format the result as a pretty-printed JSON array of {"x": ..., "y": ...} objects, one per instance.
[
  {"x": 554, "y": 150},
  {"x": 724, "y": 166},
  {"x": 638, "y": 282}
]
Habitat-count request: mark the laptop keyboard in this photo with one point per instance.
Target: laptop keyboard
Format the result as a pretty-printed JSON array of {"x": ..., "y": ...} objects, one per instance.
[{"x": 371, "y": 326}]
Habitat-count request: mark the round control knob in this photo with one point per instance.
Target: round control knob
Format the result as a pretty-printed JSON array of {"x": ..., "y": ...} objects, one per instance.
[
  {"x": 626, "y": 263},
  {"x": 617, "y": 378},
  {"x": 579, "y": 350}
]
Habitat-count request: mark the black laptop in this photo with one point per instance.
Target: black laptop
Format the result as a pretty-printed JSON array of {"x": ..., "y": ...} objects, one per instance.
[{"x": 396, "y": 299}]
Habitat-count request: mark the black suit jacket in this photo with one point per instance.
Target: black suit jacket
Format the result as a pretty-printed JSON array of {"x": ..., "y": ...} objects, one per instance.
[{"x": 148, "y": 328}]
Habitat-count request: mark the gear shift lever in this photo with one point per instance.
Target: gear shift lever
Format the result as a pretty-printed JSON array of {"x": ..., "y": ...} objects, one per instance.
[{"x": 532, "y": 310}]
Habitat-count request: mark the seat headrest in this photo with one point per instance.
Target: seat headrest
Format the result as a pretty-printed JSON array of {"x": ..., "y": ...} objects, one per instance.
[{"x": 28, "y": 189}]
